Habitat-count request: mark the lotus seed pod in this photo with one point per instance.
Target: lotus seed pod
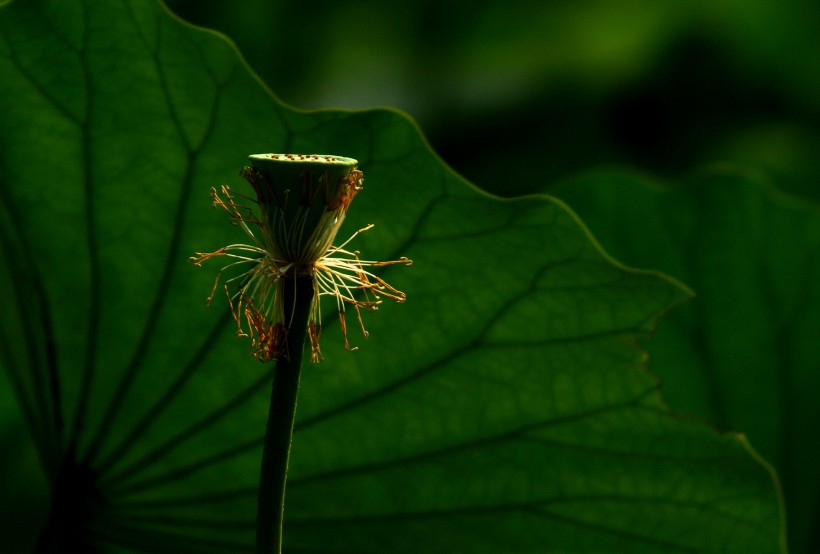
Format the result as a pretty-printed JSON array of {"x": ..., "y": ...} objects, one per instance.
[{"x": 303, "y": 201}]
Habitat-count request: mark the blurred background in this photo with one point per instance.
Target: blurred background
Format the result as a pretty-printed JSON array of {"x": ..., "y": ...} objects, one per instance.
[
  {"x": 662, "y": 87},
  {"x": 659, "y": 89}
]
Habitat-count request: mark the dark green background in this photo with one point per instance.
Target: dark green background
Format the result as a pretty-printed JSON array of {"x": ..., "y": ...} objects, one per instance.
[
  {"x": 655, "y": 90},
  {"x": 658, "y": 86}
]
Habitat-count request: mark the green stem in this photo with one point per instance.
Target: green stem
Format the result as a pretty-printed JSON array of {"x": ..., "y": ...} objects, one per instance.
[{"x": 298, "y": 295}]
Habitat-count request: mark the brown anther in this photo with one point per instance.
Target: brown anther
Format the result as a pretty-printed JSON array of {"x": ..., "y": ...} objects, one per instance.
[
  {"x": 314, "y": 332},
  {"x": 344, "y": 332}
]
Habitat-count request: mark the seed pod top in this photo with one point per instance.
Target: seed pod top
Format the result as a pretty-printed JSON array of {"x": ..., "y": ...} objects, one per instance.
[{"x": 303, "y": 199}]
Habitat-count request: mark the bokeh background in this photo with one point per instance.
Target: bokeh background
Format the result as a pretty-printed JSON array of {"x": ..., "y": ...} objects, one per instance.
[
  {"x": 663, "y": 87},
  {"x": 660, "y": 90}
]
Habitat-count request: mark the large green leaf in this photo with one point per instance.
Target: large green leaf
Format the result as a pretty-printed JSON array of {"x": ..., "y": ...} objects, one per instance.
[
  {"x": 745, "y": 353},
  {"x": 504, "y": 407}
]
